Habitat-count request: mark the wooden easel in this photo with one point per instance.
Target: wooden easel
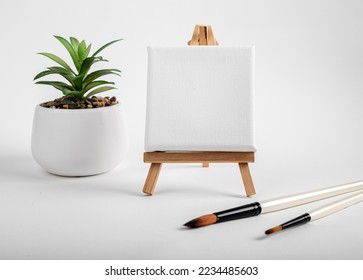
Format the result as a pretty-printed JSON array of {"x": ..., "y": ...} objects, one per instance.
[{"x": 202, "y": 35}]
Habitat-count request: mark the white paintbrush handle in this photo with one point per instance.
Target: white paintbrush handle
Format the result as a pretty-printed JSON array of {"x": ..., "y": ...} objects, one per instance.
[
  {"x": 288, "y": 201},
  {"x": 336, "y": 206}
]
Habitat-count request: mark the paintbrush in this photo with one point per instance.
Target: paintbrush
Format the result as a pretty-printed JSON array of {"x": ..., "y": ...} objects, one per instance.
[
  {"x": 319, "y": 213},
  {"x": 271, "y": 205}
]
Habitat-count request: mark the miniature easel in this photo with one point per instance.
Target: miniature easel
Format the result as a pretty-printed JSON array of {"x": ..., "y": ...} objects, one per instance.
[{"x": 203, "y": 35}]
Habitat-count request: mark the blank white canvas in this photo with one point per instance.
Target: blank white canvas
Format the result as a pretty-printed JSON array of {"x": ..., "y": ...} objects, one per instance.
[{"x": 200, "y": 98}]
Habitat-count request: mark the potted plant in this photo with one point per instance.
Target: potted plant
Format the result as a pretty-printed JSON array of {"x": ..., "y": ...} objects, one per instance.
[{"x": 78, "y": 134}]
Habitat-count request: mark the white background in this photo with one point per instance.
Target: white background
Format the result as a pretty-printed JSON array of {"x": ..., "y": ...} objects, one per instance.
[{"x": 309, "y": 120}]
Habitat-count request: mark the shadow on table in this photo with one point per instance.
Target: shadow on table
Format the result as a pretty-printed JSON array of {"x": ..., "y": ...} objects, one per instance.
[{"x": 22, "y": 169}]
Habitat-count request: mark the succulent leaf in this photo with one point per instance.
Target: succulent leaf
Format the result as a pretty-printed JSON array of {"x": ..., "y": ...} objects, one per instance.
[
  {"x": 77, "y": 81},
  {"x": 58, "y": 60},
  {"x": 105, "y": 46},
  {"x": 98, "y": 90},
  {"x": 60, "y": 70},
  {"x": 51, "y": 71},
  {"x": 88, "y": 62},
  {"x": 88, "y": 50},
  {"x": 56, "y": 84},
  {"x": 99, "y": 73},
  {"x": 70, "y": 50},
  {"x": 75, "y": 43},
  {"x": 82, "y": 49},
  {"x": 94, "y": 84},
  {"x": 42, "y": 74}
]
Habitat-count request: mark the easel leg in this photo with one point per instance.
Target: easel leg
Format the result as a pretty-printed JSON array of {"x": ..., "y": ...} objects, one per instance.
[
  {"x": 152, "y": 178},
  {"x": 247, "y": 179},
  {"x": 205, "y": 164}
]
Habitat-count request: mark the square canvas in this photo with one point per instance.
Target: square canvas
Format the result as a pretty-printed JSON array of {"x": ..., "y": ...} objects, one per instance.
[{"x": 200, "y": 98}]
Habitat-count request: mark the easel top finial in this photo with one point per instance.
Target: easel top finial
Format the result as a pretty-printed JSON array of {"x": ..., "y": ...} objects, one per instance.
[{"x": 203, "y": 36}]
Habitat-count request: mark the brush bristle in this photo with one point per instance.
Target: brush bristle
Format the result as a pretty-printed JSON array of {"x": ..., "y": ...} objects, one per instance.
[
  {"x": 202, "y": 221},
  {"x": 273, "y": 230}
]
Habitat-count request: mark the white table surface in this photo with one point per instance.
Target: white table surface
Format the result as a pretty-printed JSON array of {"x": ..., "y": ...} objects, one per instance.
[{"x": 108, "y": 217}]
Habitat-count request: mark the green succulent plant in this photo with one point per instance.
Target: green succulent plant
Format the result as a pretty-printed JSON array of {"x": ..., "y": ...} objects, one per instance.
[{"x": 81, "y": 84}]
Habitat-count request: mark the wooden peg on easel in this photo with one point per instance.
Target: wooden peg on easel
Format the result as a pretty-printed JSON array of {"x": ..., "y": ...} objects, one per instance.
[{"x": 203, "y": 36}]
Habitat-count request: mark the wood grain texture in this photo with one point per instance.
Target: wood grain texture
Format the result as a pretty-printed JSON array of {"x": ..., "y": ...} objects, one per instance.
[
  {"x": 203, "y": 36},
  {"x": 191, "y": 157},
  {"x": 152, "y": 178},
  {"x": 247, "y": 179},
  {"x": 195, "y": 38},
  {"x": 210, "y": 37}
]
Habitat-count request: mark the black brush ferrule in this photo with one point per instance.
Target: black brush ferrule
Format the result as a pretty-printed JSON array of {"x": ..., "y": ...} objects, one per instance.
[
  {"x": 303, "y": 219},
  {"x": 241, "y": 212}
]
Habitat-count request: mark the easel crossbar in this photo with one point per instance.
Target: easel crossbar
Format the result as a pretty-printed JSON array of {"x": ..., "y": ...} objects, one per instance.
[{"x": 191, "y": 157}]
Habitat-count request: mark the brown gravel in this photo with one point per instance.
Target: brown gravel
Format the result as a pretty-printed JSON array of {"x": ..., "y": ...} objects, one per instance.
[{"x": 70, "y": 102}]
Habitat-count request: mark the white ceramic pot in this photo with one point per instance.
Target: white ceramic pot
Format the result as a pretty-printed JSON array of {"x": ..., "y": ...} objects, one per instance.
[{"x": 79, "y": 142}]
